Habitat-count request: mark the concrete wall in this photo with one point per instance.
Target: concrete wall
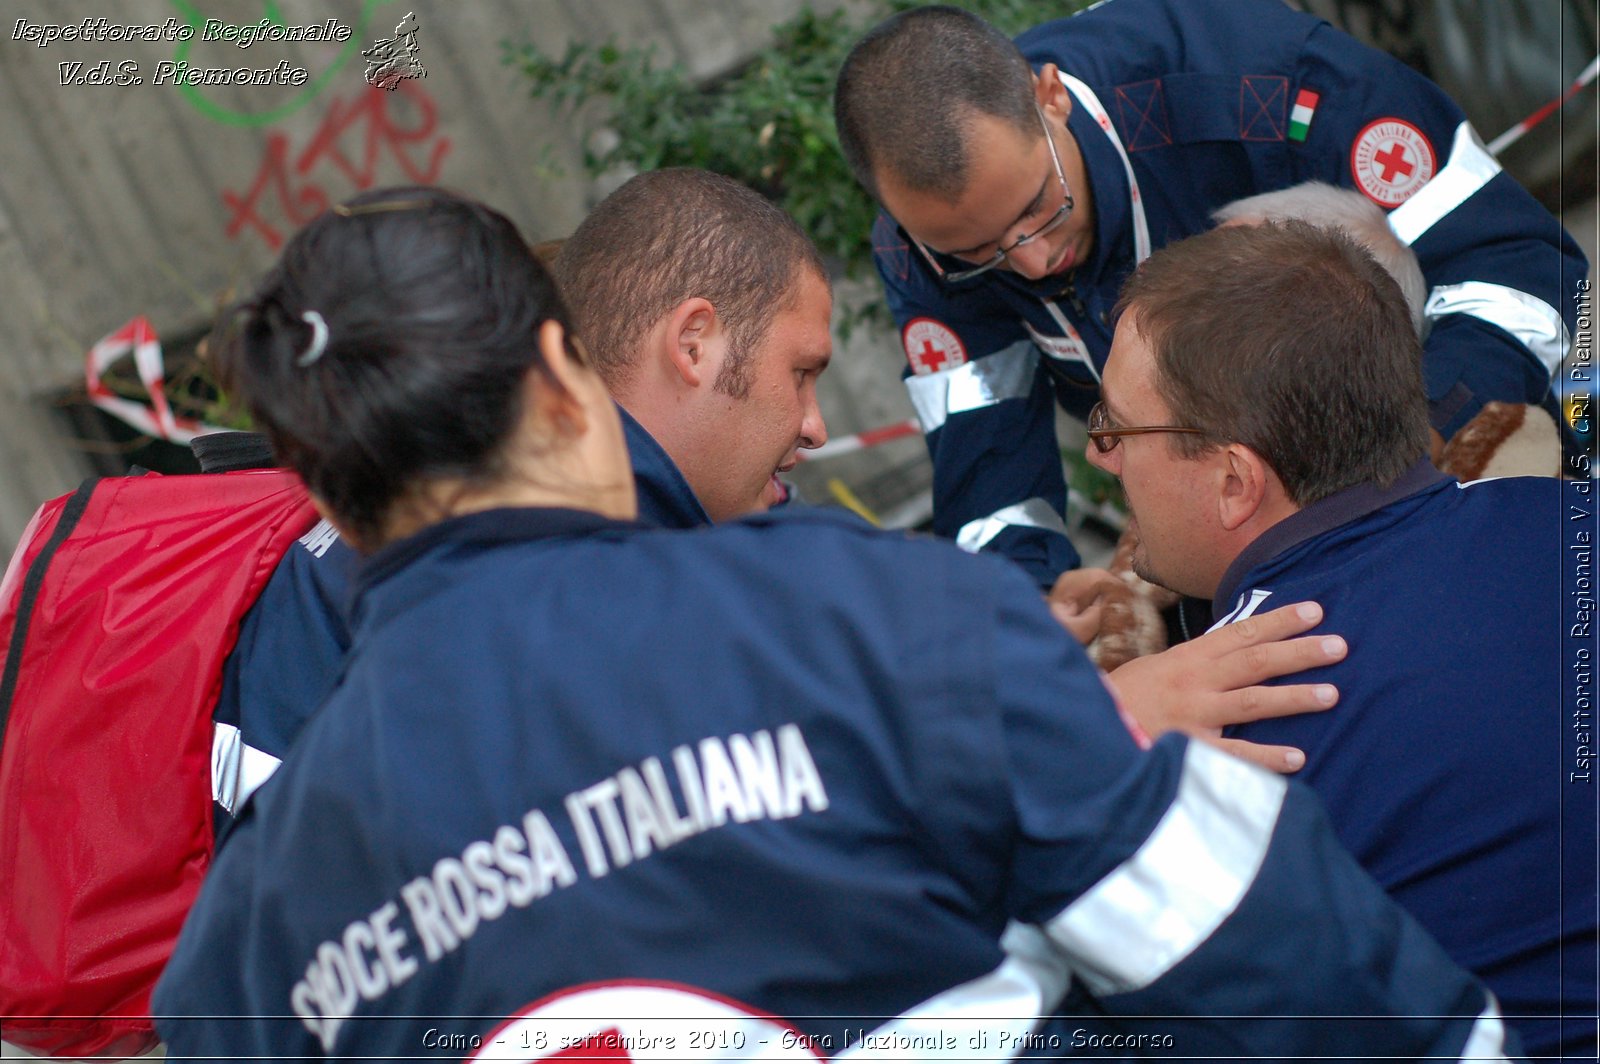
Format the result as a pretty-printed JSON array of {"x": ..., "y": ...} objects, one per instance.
[
  {"x": 153, "y": 199},
  {"x": 158, "y": 200}
]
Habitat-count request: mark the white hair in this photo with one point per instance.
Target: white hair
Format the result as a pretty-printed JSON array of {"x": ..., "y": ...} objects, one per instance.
[{"x": 1330, "y": 206}]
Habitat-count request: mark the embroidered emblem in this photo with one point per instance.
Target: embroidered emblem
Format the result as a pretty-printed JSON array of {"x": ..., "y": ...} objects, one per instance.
[
  {"x": 1305, "y": 109},
  {"x": 931, "y": 347},
  {"x": 640, "y": 1021},
  {"x": 1390, "y": 160}
]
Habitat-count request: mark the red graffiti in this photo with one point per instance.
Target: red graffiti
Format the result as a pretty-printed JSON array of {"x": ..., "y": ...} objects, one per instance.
[{"x": 418, "y": 152}]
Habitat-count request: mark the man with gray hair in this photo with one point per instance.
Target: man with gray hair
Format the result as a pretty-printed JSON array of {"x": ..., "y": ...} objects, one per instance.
[{"x": 1326, "y": 205}]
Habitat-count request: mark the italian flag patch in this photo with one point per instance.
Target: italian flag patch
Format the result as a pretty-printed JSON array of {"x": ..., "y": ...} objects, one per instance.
[{"x": 1305, "y": 106}]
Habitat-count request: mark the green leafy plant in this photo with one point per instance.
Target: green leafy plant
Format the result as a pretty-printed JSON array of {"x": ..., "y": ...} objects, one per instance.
[{"x": 768, "y": 124}]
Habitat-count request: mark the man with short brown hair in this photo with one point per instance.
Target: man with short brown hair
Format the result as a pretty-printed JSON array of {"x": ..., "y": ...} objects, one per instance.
[
  {"x": 1263, "y": 407},
  {"x": 707, "y": 311}
]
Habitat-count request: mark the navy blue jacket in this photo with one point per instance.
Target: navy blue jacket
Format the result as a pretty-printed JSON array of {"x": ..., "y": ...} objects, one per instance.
[
  {"x": 804, "y": 770},
  {"x": 1457, "y": 764},
  {"x": 293, "y": 641},
  {"x": 1201, "y": 95}
]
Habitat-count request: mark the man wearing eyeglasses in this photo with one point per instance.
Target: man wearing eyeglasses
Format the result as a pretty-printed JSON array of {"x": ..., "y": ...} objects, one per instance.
[
  {"x": 1271, "y": 456},
  {"x": 1022, "y": 183}
]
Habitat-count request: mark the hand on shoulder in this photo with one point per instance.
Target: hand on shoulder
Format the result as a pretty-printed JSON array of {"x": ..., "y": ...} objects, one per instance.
[{"x": 1208, "y": 683}]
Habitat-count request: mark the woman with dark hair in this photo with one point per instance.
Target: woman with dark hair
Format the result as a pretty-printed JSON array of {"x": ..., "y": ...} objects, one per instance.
[
  {"x": 588, "y": 787},
  {"x": 389, "y": 356}
]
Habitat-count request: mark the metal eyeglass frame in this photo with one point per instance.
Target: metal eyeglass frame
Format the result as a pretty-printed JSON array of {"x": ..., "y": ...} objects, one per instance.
[
  {"x": 1055, "y": 222},
  {"x": 1106, "y": 437}
]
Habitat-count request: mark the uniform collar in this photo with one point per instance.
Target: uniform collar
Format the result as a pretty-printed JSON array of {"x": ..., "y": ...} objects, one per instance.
[
  {"x": 665, "y": 498},
  {"x": 665, "y": 501},
  {"x": 1324, "y": 515},
  {"x": 486, "y": 528},
  {"x": 1108, "y": 190}
]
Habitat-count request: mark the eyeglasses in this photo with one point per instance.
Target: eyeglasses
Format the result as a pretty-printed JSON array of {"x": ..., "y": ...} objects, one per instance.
[
  {"x": 1106, "y": 436},
  {"x": 1060, "y": 216}
]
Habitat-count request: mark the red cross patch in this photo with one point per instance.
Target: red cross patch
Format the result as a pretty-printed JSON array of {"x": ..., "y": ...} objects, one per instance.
[
  {"x": 1390, "y": 160},
  {"x": 643, "y": 1021},
  {"x": 931, "y": 346}
]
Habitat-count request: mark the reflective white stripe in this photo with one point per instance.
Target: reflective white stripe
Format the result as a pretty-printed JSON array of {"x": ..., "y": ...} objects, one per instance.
[
  {"x": 1487, "y": 1042},
  {"x": 1159, "y": 905},
  {"x": 1245, "y": 608},
  {"x": 1006, "y": 374},
  {"x": 1469, "y": 169},
  {"x": 1004, "y": 1006},
  {"x": 1034, "y": 513},
  {"x": 1532, "y": 322},
  {"x": 237, "y": 768}
]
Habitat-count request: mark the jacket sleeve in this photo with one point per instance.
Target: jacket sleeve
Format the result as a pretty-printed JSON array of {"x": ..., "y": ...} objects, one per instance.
[
  {"x": 1502, "y": 273},
  {"x": 1183, "y": 884},
  {"x": 300, "y": 617},
  {"x": 988, "y": 412}
]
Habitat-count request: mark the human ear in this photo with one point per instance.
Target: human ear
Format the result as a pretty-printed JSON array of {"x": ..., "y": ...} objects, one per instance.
[
  {"x": 1244, "y": 486},
  {"x": 691, "y": 328},
  {"x": 571, "y": 377},
  {"x": 1052, "y": 96}
]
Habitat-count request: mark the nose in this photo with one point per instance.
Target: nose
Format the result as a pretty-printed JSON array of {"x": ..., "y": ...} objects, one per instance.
[
  {"x": 1031, "y": 260},
  {"x": 813, "y": 430}
]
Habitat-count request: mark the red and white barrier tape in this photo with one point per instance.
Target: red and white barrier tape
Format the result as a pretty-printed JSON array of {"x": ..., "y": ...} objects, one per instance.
[
  {"x": 138, "y": 337},
  {"x": 1516, "y": 132}
]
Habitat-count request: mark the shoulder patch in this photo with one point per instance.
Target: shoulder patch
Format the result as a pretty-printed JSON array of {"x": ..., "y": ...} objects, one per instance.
[
  {"x": 931, "y": 346},
  {"x": 643, "y": 1021},
  {"x": 1390, "y": 160},
  {"x": 1305, "y": 109}
]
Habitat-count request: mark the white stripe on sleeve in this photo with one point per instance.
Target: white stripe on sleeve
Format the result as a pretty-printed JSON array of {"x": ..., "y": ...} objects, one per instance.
[
  {"x": 1032, "y": 513},
  {"x": 1005, "y": 1005},
  {"x": 1487, "y": 1041},
  {"x": 1006, "y": 374},
  {"x": 1160, "y": 904},
  {"x": 1469, "y": 168},
  {"x": 237, "y": 768},
  {"x": 1532, "y": 322}
]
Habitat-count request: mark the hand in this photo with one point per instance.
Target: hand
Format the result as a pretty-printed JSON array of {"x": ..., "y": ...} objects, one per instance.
[
  {"x": 1201, "y": 686},
  {"x": 1077, "y": 599}
]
